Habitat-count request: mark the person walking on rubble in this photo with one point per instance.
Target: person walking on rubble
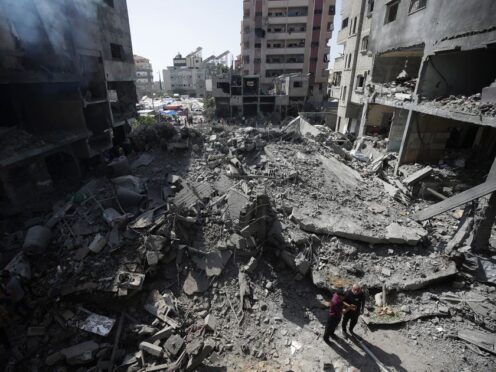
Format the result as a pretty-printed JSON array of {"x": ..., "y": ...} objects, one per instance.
[
  {"x": 334, "y": 314},
  {"x": 354, "y": 301}
]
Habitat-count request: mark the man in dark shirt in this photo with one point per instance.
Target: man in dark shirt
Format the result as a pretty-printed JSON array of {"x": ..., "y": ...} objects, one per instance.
[
  {"x": 334, "y": 315},
  {"x": 354, "y": 302}
]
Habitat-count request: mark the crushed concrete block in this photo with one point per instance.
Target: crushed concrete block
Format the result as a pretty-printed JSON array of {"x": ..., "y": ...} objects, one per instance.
[
  {"x": 36, "y": 331},
  {"x": 210, "y": 322},
  {"x": 119, "y": 167},
  {"x": 302, "y": 264},
  {"x": 54, "y": 358},
  {"x": 152, "y": 258},
  {"x": 173, "y": 345},
  {"x": 37, "y": 240},
  {"x": 386, "y": 272},
  {"x": 151, "y": 349},
  {"x": 81, "y": 353},
  {"x": 196, "y": 282},
  {"x": 196, "y": 359},
  {"x": 251, "y": 265},
  {"x": 98, "y": 243}
]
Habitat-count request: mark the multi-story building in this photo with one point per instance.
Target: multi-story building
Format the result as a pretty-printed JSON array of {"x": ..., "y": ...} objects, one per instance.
[
  {"x": 430, "y": 86},
  {"x": 352, "y": 69},
  {"x": 189, "y": 74},
  {"x": 144, "y": 76},
  {"x": 67, "y": 90},
  {"x": 285, "y": 37}
]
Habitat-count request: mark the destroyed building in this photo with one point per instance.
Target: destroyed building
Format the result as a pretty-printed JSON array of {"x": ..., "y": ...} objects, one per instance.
[
  {"x": 287, "y": 37},
  {"x": 428, "y": 88},
  {"x": 212, "y": 246},
  {"x": 189, "y": 75},
  {"x": 66, "y": 89}
]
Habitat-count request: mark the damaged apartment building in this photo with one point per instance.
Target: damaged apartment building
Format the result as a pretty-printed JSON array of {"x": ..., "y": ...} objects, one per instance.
[
  {"x": 67, "y": 91},
  {"x": 421, "y": 74},
  {"x": 282, "y": 42}
]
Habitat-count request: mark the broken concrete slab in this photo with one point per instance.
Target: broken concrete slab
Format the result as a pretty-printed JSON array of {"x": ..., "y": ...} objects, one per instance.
[
  {"x": 196, "y": 282},
  {"x": 151, "y": 349},
  {"x": 213, "y": 262},
  {"x": 417, "y": 176},
  {"x": 98, "y": 243},
  {"x": 174, "y": 344},
  {"x": 349, "y": 227},
  {"x": 210, "y": 323},
  {"x": 81, "y": 353},
  {"x": 143, "y": 160},
  {"x": 486, "y": 341},
  {"x": 236, "y": 202}
]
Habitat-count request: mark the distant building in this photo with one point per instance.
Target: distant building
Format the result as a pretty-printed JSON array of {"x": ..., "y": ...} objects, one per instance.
[
  {"x": 351, "y": 70},
  {"x": 241, "y": 96},
  {"x": 144, "y": 76},
  {"x": 66, "y": 95},
  {"x": 189, "y": 74},
  {"x": 287, "y": 37}
]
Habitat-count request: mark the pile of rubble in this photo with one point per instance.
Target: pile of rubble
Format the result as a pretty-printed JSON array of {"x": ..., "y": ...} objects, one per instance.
[
  {"x": 400, "y": 89},
  {"x": 189, "y": 251},
  {"x": 466, "y": 104}
]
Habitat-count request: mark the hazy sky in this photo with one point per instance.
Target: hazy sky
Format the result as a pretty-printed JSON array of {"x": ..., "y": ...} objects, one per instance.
[{"x": 162, "y": 28}]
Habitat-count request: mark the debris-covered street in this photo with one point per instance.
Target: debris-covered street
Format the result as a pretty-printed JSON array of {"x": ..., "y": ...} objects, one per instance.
[
  {"x": 247, "y": 185},
  {"x": 219, "y": 246}
]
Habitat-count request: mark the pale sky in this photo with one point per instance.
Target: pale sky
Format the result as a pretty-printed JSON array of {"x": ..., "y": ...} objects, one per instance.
[{"x": 162, "y": 28}]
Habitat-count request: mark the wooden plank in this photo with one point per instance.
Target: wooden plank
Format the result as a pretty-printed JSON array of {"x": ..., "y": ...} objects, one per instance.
[
  {"x": 457, "y": 200},
  {"x": 417, "y": 176}
]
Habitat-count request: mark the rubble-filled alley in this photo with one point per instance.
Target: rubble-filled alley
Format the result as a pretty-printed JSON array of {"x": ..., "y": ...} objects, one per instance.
[{"x": 217, "y": 248}]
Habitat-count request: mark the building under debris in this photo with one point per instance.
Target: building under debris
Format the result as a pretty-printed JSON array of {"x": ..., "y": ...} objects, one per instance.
[
  {"x": 67, "y": 89},
  {"x": 428, "y": 88}
]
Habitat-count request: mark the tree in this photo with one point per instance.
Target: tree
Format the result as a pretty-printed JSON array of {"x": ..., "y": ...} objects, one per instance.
[{"x": 210, "y": 108}]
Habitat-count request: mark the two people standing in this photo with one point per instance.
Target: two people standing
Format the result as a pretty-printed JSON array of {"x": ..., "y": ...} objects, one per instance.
[{"x": 347, "y": 306}]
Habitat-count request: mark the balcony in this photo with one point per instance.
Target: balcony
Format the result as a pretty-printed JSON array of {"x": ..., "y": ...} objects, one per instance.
[
  {"x": 286, "y": 35},
  {"x": 284, "y": 66},
  {"x": 286, "y": 3},
  {"x": 285, "y": 50}
]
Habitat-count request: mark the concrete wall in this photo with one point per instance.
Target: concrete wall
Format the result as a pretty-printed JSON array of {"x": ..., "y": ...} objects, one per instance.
[
  {"x": 397, "y": 129},
  {"x": 441, "y": 19}
]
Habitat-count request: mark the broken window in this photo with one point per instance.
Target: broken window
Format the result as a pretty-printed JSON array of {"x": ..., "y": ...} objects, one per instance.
[
  {"x": 354, "y": 25},
  {"x": 258, "y": 45},
  {"x": 417, "y": 5},
  {"x": 318, "y": 11},
  {"x": 344, "y": 24},
  {"x": 297, "y": 84},
  {"x": 246, "y": 59},
  {"x": 224, "y": 86},
  {"x": 258, "y": 61},
  {"x": 360, "y": 82},
  {"x": 343, "y": 96},
  {"x": 365, "y": 43},
  {"x": 370, "y": 7},
  {"x": 117, "y": 51},
  {"x": 332, "y": 10},
  {"x": 391, "y": 11}
]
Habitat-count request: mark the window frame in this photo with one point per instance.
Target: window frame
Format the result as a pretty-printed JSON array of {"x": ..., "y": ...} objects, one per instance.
[
  {"x": 389, "y": 6},
  {"x": 418, "y": 9}
]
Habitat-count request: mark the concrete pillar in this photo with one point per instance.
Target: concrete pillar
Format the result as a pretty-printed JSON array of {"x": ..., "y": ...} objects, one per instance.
[
  {"x": 484, "y": 217},
  {"x": 404, "y": 141}
]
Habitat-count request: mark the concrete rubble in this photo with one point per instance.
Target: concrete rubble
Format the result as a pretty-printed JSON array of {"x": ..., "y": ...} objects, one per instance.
[{"x": 189, "y": 257}]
